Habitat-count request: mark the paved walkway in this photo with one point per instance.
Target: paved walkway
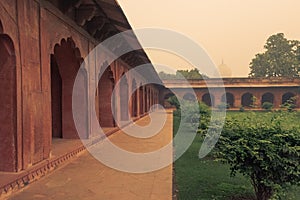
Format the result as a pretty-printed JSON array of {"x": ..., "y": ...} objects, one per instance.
[{"x": 86, "y": 178}]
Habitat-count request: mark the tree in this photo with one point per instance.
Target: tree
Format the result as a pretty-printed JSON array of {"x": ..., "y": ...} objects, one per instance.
[
  {"x": 165, "y": 76},
  {"x": 263, "y": 150},
  {"x": 190, "y": 74},
  {"x": 290, "y": 104},
  {"x": 180, "y": 74},
  {"x": 281, "y": 58},
  {"x": 267, "y": 106}
]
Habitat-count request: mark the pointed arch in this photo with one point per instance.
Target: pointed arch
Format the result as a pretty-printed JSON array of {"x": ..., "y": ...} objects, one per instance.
[
  {"x": 65, "y": 64},
  {"x": 189, "y": 97},
  {"x": 141, "y": 99},
  {"x": 247, "y": 99},
  {"x": 287, "y": 96},
  {"x": 106, "y": 86},
  {"x": 228, "y": 98},
  {"x": 124, "y": 97},
  {"x": 134, "y": 98},
  {"x": 267, "y": 97},
  {"x": 208, "y": 99},
  {"x": 1, "y": 27},
  {"x": 8, "y": 104}
]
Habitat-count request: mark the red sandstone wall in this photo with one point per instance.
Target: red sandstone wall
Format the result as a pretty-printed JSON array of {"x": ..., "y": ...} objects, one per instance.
[
  {"x": 9, "y": 22},
  {"x": 35, "y": 28},
  {"x": 278, "y": 92}
]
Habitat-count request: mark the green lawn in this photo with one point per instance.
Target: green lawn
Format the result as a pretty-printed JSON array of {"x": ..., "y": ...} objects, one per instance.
[
  {"x": 291, "y": 118},
  {"x": 208, "y": 179}
]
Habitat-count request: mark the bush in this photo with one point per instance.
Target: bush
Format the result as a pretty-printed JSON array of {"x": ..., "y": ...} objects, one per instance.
[
  {"x": 242, "y": 109},
  {"x": 190, "y": 111},
  {"x": 262, "y": 150},
  {"x": 289, "y": 105},
  {"x": 174, "y": 101},
  {"x": 205, "y": 114},
  {"x": 223, "y": 106},
  {"x": 194, "y": 112},
  {"x": 267, "y": 106}
]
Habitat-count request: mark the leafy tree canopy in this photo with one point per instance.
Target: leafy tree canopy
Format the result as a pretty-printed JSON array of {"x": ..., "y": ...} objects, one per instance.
[
  {"x": 280, "y": 59},
  {"x": 265, "y": 150},
  {"x": 188, "y": 74}
]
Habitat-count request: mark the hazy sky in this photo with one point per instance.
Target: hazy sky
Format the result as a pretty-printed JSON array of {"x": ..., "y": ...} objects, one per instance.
[{"x": 232, "y": 30}]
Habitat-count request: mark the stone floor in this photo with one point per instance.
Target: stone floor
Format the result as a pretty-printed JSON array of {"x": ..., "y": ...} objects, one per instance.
[{"x": 86, "y": 178}]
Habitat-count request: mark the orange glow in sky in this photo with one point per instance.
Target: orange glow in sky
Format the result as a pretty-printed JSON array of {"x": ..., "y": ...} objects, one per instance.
[{"x": 232, "y": 30}]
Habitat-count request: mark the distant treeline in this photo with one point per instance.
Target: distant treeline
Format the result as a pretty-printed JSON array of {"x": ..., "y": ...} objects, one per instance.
[{"x": 180, "y": 74}]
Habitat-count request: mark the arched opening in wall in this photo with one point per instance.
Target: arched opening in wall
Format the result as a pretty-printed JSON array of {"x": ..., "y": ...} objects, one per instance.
[
  {"x": 147, "y": 101},
  {"x": 189, "y": 97},
  {"x": 105, "y": 89},
  {"x": 124, "y": 97},
  {"x": 141, "y": 99},
  {"x": 151, "y": 98},
  {"x": 56, "y": 99},
  {"x": 82, "y": 98},
  {"x": 134, "y": 99},
  {"x": 8, "y": 104},
  {"x": 65, "y": 64},
  {"x": 247, "y": 99},
  {"x": 228, "y": 98},
  {"x": 208, "y": 99},
  {"x": 288, "y": 96},
  {"x": 1, "y": 28},
  {"x": 267, "y": 97}
]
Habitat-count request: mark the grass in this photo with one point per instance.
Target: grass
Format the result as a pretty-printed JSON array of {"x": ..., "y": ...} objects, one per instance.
[
  {"x": 291, "y": 118},
  {"x": 207, "y": 179}
]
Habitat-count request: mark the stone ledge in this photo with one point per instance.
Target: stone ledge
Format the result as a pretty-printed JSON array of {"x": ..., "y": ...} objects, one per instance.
[
  {"x": 16, "y": 181},
  {"x": 36, "y": 172}
]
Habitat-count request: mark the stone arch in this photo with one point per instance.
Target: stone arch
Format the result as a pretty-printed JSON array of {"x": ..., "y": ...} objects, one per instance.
[
  {"x": 1, "y": 27},
  {"x": 146, "y": 99},
  {"x": 124, "y": 96},
  {"x": 8, "y": 104},
  {"x": 189, "y": 97},
  {"x": 56, "y": 98},
  {"x": 267, "y": 97},
  {"x": 106, "y": 86},
  {"x": 149, "y": 99},
  {"x": 247, "y": 99},
  {"x": 228, "y": 98},
  {"x": 208, "y": 99},
  {"x": 65, "y": 64},
  {"x": 152, "y": 98},
  {"x": 287, "y": 96},
  {"x": 141, "y": 99},
  {"x": 134, "y": 98}
]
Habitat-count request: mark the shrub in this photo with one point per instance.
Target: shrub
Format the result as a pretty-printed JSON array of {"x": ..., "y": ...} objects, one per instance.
[
  {"x": 289, "y": 105},
  {"x": 194, "y": 112},
  {"x": 174, "y": 101},
  {"x": 262, "y": 150},
  {"x": 205, "y": 114},
  {"x": 267, "y": 106},
  {"x": 190, "y": 112},
  {"x": 223, "y": 106},
  {"x": 242, "y": 109},
  {"x": 254, "y": 102}
]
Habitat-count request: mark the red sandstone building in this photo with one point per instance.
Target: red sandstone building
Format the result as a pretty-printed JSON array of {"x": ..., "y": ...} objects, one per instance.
[
  {"x": 42, "y": 45},
  {"x": 239, "y": 92}
]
